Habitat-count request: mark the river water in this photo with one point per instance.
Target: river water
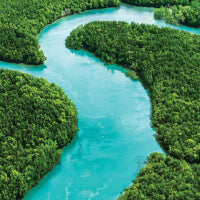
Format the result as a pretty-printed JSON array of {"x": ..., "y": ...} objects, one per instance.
[{"x": 115, "y": 134}]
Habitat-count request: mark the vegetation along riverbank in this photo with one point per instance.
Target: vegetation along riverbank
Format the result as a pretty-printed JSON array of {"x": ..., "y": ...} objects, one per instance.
[
  {"x": 185, "y": 15},
  {"x": 22, "y": 20},
  {"x": 167, "y": 62},
  {"x": 185, "y": 12},
  {"x": 37, "y": 120}
]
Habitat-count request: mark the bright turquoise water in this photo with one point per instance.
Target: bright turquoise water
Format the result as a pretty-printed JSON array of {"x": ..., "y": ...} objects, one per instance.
[{"x": 115, "y": 134}]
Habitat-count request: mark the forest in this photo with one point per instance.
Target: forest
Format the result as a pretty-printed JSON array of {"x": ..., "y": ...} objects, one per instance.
[
  {"x": 167, "y": 63},
  {"x": 165, "y": 178},
  {"x": 157, "y": 3},
  {"x": 37, "y": 120},
  {"x": 186, "y": 15},
  {"x": 22, "y": 20},
  {"x": 186, "y": 12}
]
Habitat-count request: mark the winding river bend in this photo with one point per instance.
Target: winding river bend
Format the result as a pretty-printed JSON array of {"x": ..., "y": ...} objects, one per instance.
[{"x": 115, "y": 134}]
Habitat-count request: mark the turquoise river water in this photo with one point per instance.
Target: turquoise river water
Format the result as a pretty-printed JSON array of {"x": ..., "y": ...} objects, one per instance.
[{"x": 115, "y": 134}]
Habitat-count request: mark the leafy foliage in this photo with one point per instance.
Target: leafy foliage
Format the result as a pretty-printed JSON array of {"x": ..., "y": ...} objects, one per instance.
[
  {"x": 165, "y": 178},
  {"x": 157, "y": 3},
  {"x": 186, "y": 15},
  {"x": 167, "y": 62},
  {"x": 22, "y": 20},
  {"x": 132, "y": 75},
  {"x": 37, "y": 119},
  {"x": 186, "y": 12}
]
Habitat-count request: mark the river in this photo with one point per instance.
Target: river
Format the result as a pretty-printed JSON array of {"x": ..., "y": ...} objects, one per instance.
[{"x": 115, "y": 134}]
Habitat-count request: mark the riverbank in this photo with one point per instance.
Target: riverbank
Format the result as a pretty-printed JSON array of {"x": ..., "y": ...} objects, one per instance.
[
  {"x": 19, "y": 27},
  {"x": 166, "y": 61},
  {"x": 112, "y": 110},
  {"x": 37, "y": 120}
]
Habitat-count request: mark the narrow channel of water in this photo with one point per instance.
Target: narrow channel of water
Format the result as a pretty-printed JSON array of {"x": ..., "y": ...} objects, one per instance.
[{"x": 115, "y": 134}]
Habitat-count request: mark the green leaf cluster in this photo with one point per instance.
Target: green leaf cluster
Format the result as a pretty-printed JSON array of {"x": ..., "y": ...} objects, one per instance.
[
  {"x": 22, "y": 20},
  {"x": 132, "y": 75},
  {"x": 167, "y": 62},
  {"x": 37, "y": 119}
]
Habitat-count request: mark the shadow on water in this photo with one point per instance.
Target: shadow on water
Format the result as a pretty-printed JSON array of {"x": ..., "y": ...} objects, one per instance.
[
  {"x": 22, "y": 67},
  {"x": 110, "y": 67}
]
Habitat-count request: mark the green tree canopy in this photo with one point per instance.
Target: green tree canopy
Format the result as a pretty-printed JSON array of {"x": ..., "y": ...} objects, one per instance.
[
  {"x": 37, "y": 119},
  {"x": 22, "y": 20}
]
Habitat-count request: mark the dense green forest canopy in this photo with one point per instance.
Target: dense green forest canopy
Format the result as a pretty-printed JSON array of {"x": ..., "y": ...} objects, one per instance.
[
  {"x": 165, "y": 178},
  {"x": 167, "y": 62},
  {"x": 186, "y": 12},
  {"x": 22, "y": 20},
  {"x": 186, "y": 15},
  {"x": 37, "y": 119},
  {"x": 157, "y": 3}
]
